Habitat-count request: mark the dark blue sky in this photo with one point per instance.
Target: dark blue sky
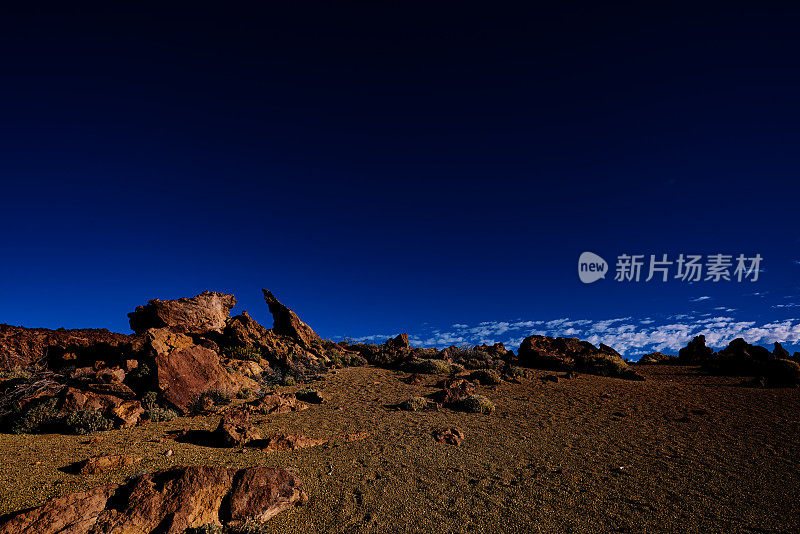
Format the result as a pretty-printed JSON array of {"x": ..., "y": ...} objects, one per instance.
[{"x": 385, "y": 167}]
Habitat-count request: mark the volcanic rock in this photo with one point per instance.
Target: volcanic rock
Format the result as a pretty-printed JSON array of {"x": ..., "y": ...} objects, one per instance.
[
  {"x": 450, "y": 436},
  {"x": 206, "y": 312},
  {"x": 185, "y": 370},
  {"x": 287, "y": 323},
  {"x": 235, "y": 428},
  {"x": 289, "y": 442},
  {"x": 398, "y": 342},
  {"x": 168, "y": 502},
  {"x": 20, "y": 347},
  {"x": 695, "y": 351},
  {"x": 454, "y": 390},
  {"x": 780, "y": 352},
  {"x": 277, "y": 403},
  {"x": 101, "y": 464}
]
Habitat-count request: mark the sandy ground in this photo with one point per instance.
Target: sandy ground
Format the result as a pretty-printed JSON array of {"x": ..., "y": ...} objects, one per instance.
[{"x": 681, "y": 452}]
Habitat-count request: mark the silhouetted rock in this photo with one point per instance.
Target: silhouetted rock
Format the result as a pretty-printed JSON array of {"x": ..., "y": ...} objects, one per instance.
[
  {"x": 780, "y": 352},
  {"x": 287, "y": 323},
  {"x": 206, "y": 312},
  {"x": 695, "y": 351},
  {"x": 560, "y": 353},
  {"x": 398, "y": 342},
  {"x": 168, "y": 502},
  {"x": 739, "y": 358}
]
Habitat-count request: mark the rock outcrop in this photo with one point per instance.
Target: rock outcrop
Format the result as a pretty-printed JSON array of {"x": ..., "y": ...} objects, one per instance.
[
  {"x": 235, "y": 429},
  {"x": 695, "y": 352},
  {"x": 567, "y": 354},
  {"x": 21, "y": 347},
  {"x": 287, "y": 323},
  {"x": 655, "y": 358},
  {"x": 169, "y": 502},
  {"x": 206, "y": 312},
  {"x": 184, "y": 370}
]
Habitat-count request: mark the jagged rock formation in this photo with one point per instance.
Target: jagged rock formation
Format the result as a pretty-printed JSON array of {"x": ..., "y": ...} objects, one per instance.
[
  {"x": 169, "y": 501},
  {"x": 287, "y": 323}
]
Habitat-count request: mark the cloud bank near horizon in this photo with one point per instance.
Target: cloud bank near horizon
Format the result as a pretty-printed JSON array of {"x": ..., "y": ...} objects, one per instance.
[{"x": 630, "y": 337}]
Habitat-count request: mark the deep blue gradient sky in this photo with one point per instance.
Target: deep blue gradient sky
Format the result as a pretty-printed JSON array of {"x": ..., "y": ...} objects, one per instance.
[{"x": 385, "y": 168}]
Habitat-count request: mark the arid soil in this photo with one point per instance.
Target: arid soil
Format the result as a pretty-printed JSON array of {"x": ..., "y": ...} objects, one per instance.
[{"x": 679, "y": 452}]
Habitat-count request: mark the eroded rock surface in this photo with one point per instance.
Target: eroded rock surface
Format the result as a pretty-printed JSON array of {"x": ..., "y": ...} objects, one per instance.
[{"x": 206, "y": 312}]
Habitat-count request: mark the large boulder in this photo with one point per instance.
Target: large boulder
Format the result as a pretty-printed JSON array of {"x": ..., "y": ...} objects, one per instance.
[
  {"x": 206, "y": 312},
  {"x": 739, "y": 358},
  {"x": 695, "y": 352},
  {"x": 168, "y": 502},
  {"x": 287, "y": 323},
  {"x": 400, "y": 341},
  {"x": 184, "y": 371}
]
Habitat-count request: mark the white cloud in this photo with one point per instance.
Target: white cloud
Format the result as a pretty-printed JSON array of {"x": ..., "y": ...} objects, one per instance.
[{"x": 700, "y": 299}]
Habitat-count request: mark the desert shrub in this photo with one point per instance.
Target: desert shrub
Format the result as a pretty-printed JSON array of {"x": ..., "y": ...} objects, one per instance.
[
  {"x": 219, "y": 398},
  {"x": 35, "y": 418},
  {"x": 782, "y": 372},
  {"x": 208, "y": 528},
  {"x": 475, "y": 404},
  {"x": 142, "y": 377},
  {"x": 248, "y": 353},
  {"x": 157, "y": 414},
  {"x": 16, "y": 372},
  {"x": 150, "y": 401},
  {"x": 414, "y": 404},
  {"x": 429, "y": 366},
  {"x": 244, "y": 393},
  {"x": 251, "y": 526},
  {"x": 515, "y": 371},
  {"x": 486, "y": 377},
  {"x": 289, "y": 381},
  {"x": 86, "y": 421},
  {"x": 456, "y": 368},
  {"x": 603, "y": 365}
]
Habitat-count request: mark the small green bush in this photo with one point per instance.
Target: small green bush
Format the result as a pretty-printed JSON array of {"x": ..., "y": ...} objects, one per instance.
[
  {"x": 414, "y": 404},
  {"x": 288, "y": 381},
  {"x": 456, "y": 368},
  {"x": 516, "y": 372},
  {"x": 251, "y": 526},
  {"x": 208, "y": 528},
  {"x": 430, "y": 367},
  {"x": 16, "y": 372},
  {"x": 244, "y": 393},
  {"x": 157, "y": 414},
  {"x": 35, "y": 418},
  {"x": 86, "y": 421},
  {"x": 486, "y": 377},
  {"x": 476, "y": 404},
  {"x": 247, "y": 353},
  {"x": 220, "y": 398},
  {"x": 150, "y": 401}
]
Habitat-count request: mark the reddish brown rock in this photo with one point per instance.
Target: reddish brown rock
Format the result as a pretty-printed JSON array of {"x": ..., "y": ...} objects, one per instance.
[
  {"x": 206, "y": 312},
  {"x": 277, "y": 403},
  {"x": 185, "y": 370},
  {"x": 74, "y": 513},
  {"x": 287, "y": 323},
  {"x": 101, "y": 464},
  {"x": 20, "y": 347},
  {"x": 235, "y": 429},
  {"x": 167, "y": 502},
  {"x": 289, "y": 442},
  {"x": 125, "y": 412},
  {"x": 399, "y": 342},
  {"x": 449, "y": 436},
  {"x": 261, "y": 492},
  {"x": 455, "y": 390}
]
